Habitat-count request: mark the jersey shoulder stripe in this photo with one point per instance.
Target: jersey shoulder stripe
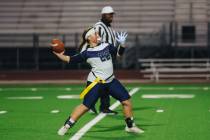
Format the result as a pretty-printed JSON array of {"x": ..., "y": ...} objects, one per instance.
[
  {"x": 99, "y": 47},
  {"x": 99, "y": 51}
]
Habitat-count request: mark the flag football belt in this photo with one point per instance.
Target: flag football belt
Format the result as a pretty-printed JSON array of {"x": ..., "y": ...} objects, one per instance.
[{"x": 89, "y": 87}]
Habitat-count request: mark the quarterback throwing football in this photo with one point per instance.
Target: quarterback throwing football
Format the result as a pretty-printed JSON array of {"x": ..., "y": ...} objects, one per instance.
[{"x": 99, "y": 56}]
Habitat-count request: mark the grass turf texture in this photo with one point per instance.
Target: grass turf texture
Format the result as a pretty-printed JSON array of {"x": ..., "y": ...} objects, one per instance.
[{"x": 182, "y": 119}]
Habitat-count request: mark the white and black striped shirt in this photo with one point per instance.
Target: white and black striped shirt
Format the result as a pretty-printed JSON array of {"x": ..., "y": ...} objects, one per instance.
[{"x": 106, "y": 33}]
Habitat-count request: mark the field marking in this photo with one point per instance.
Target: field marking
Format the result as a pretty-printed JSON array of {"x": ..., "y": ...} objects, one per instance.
[
  {"x": 54, "y": 111},
  {"x": 171, "y": 88},
  {"x": 206, "y": 88},
  {"x": 33, "y": 89},
  {"x": 3, "y": 111},
  {"x": 160, "y": 88},
  {"x": 38, "y": 88},
  {"x": 99, "y": 117},
  {"x": 167, "y": 96},
  {"x": 26, "y": 98},
  {"x": 81, "y": 88},
  {"x": 68, "y": 89},
  {"x": 68, "y": 97},
  {"x": 159, "y": 110}
]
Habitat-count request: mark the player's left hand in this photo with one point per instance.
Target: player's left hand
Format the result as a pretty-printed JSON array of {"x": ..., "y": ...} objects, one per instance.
[{"x": 121, "y": 37}]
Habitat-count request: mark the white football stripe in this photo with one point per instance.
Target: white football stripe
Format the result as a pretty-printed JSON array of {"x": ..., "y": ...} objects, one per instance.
[
  {"x": 68, "y": 97},
  {"x": 26, "y": 98},
  {"x": 158, "y": 96},
  {"x": 3, "y": 111},
  {"x": 33, "y": 89},
  {"x": 171, "y": 88},
  {"x": 99, "y": 117},
  {"x": 68, "y": 89},
  {"x": 54, "y": 111},
  {"x": 159, "y": 110},
  {"x": 205, "y": 88}
]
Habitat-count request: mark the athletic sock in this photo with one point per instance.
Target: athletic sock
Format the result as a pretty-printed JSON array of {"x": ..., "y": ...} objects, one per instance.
[
  {"x": 129, "y": 122},
  {"x": 69, "y": 123}
]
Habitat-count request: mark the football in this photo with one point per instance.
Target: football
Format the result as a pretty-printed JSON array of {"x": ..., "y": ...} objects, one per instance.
[{"x": 57, "y": 45}]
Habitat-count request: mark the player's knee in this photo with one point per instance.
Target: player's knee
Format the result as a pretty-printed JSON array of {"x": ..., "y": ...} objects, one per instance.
[
  {"x": 126, "y": 103},
  {"x": 85, "y": 107}
]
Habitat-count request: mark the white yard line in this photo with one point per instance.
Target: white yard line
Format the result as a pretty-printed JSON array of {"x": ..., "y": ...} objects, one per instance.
[
  {"x": 99, "y": 117},
  {"x": 171, "y": 88},
  {"x": 55, "y": 111},
  {"x": 159, "y": 110},
  {"x": 166, "y": 96},
  {"x": 68, "y": 97},
  {"x": 68, "y": 89},
  {"x": 81, "y": 88},
  {"x": 206, "y": 88},
  {"x": 38, "y": 88},
  {"x": 3, "y": 111},
  {"x": 33, "y": 89},
  {"x": 26, "y": 98}
]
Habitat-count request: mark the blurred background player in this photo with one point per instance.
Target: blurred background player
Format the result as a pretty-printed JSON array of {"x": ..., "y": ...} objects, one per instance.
[
  {"x": 99, "y": 56},
  {"x": 107, "y": 34}
]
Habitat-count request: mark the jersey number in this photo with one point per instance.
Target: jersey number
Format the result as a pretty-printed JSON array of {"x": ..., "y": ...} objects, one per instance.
[{"x": 105, "y": 58}]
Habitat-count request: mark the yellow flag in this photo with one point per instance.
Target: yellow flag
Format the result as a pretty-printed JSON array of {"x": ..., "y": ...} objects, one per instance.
[{"x": 89, "y": 87}]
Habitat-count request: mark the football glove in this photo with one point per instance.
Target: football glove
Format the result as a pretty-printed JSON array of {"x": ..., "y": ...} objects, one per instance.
[{"x": 121, "y": 37}]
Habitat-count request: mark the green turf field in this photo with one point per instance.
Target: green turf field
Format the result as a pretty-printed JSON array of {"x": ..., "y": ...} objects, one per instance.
[{"x": 167, "y": 112}]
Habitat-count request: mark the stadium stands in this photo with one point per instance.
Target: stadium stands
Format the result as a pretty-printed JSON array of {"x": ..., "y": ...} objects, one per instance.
[
  {"x": 208, "y": 4},
  {"x": 31, "y": 24},
  {"x": 63, "y": 16},
  {"x": 24, "y": 17},
  {"x": 192, "y": 13}
]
